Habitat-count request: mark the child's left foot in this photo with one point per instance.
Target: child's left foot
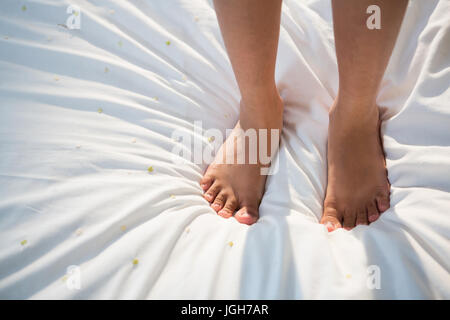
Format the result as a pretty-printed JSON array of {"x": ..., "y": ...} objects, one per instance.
[
  {"x": 358, "y": 188},
  {"x": 233, "y": 186}
]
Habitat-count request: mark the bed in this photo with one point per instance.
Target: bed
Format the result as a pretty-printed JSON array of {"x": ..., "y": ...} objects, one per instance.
[{"x": 93, "y": 205}]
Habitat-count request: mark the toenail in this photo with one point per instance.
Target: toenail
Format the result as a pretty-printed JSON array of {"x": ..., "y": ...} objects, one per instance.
[
  {"x": 216, "y": 205},
  {"x": 330, "y": 227},
  {"x": 372, "y": 218},
  {"x": 242, "y": 214},
  {"x": 224, "y": 214}
]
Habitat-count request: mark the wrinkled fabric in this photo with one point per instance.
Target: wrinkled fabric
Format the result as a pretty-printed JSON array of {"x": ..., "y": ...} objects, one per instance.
[{"x": 88, "y": 178}]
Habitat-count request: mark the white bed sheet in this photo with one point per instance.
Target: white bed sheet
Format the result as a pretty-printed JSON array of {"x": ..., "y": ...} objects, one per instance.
[{"x": 74, "y": 185}]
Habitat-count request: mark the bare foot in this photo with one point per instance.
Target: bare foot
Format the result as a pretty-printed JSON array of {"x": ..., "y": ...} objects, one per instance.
[
  {"x": 230, "y": 187},
  {"x": 358, "y": 188}
]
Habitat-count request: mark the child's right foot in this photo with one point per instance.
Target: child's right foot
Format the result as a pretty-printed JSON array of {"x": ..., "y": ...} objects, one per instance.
[
  {"x": 358, "y": 188},
  {"x": 231, "y": 187}
]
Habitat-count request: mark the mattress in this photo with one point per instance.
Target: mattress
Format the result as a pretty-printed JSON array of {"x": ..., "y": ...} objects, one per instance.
[{"x": 94, "y": 205}]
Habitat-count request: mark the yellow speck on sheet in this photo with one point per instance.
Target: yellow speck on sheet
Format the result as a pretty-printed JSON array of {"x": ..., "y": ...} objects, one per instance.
[
  {"x": 168, "y": 42},
  {"x": 76, "y": 13},
  {"x": 123, "y": 227},
  {"x": 100, "y": 110},
  {"x": 183, "y": 77},
  {"x": 133, "y": 140},
  {"x": 24, "y": 8},
  {"x": 150, "y": 169},
  {"x": 172, "y": 196},
  {"x": 211, "y": 139},
  {"x": 156, "y": 98},
  {"x": 106, "y": 69},
  {"x": 230, "y": 243},
  {"x": 120, "y": 43},
  {"x": 188, "y": 230},
  {"x": 135, "y": 262},
  {"x": 56, "y": 78},
  {"x": 348, "y": 276},
  {"x": 23, "y": 242},
  {"x": 79, "y": 232},
  {"x": 64, "y": 278}
]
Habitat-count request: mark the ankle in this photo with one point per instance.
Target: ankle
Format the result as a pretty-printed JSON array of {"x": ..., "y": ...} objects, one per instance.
[
  {"x": 360, "y": 109},
  {"x": 357, "y": 93},
  {"x": 267, "y": 114},
  {"x": 261, "y": 96},
  {"x": 265, "y": 104},
  {"x": 357, "y": 116}
]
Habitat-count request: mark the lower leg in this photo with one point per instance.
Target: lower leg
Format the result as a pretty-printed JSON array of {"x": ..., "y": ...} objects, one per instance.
[
  {"x": 250, "y": 29},
  {"x": 358, "y": 189}
]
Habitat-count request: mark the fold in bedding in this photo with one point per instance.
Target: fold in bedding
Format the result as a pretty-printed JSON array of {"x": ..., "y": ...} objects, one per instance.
[{"x": 92, "y": 205}]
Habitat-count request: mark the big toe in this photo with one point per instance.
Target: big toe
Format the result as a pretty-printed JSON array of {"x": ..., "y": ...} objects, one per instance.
[
  {"x": 330, "y": 219},
  {"x": 247, "y": 215}
]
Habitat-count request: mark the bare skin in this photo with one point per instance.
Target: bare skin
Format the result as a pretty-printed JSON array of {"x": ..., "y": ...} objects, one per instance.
[
  {"x": 231, "y": 187},
  {"x": 250, "y": 29},
  {"x": 358, "y": 188}
]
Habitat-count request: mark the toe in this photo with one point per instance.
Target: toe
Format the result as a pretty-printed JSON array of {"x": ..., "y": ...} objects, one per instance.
[
  {"x": 229, "y": 208},
  {"x": 247, "y": 215},
  {"x": 212, "y": 192},
  {"x": 219, "y": 201},
  {"x": 372, "y": 212},
  {"x": 383, "y": 203},
  {"x": 349, "y": 220},
  {"x": 205, "y": 182},
  {"x": 331, "y": 218},
  {"x": 361, "y": 218}
]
